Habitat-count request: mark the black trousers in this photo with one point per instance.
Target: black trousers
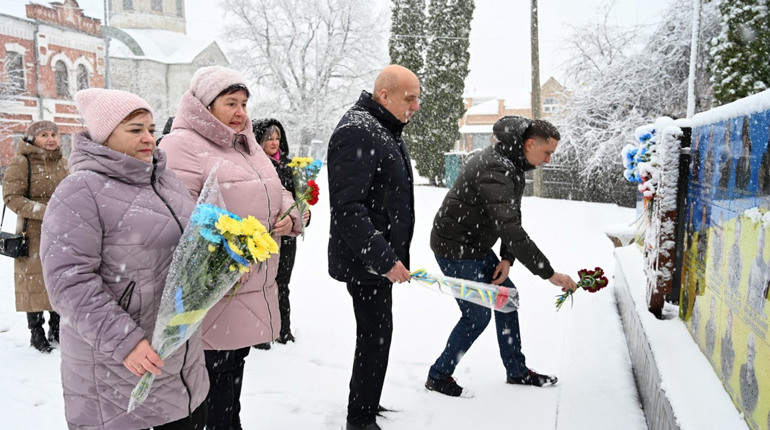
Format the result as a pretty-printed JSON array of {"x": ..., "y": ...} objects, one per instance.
[
  {"x": 226, "y": 379},
  {"x": 196, "y": 421},
  {"x": 284, "y": 306},
  {"x": 372, "y": 305}
]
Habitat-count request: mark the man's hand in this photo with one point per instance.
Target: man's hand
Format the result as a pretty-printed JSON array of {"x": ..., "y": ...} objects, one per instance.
[
  {"x": 283, "y": 227},
  {"x": 398, "y": 273},
  {"x": 501, "y": 272},
  {"x": 563, "y": 281},
  {"x": 143, "y": 359}
]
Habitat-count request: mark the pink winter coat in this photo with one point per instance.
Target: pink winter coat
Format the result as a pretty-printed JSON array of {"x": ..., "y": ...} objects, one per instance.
[
  {"x": 250, "y": 186},
  {"x": 109, "y": 233}
]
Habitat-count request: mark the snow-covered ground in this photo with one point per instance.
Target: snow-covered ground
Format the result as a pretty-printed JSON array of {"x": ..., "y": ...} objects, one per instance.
[{"x": 304, "y": 385}]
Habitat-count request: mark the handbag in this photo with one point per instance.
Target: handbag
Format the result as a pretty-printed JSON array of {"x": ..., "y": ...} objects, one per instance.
[{"x": 11, "y": 244}]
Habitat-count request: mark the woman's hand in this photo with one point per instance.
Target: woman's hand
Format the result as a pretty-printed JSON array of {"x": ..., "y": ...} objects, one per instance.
[
  {"x": 283, "y": 227},
  {"x": 143, "y": 359},
  {"x": 306, "y": 217}
]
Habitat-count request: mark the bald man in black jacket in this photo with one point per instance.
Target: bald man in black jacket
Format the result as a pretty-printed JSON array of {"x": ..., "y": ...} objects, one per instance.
[{"x": 372, "y": 221}]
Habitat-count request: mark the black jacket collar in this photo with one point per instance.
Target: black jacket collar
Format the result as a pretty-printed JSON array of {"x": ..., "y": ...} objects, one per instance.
[{"x": 387, "y": 119}]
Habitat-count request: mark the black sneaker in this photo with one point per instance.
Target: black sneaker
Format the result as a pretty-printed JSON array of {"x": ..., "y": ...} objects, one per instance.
[
  {"x": 533, "y": 378},
  {"x": 263, "y": 346},
  {"x": 446, "y": 386}
]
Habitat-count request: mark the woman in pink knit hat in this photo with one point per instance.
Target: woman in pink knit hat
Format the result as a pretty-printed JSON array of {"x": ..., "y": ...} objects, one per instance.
[
  {"x": 109, "y": 233},
  {"x": 212, "y": 128}
]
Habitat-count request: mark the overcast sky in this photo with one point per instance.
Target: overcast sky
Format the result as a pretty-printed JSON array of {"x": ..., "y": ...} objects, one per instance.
[{"x": 500, "y": 56}]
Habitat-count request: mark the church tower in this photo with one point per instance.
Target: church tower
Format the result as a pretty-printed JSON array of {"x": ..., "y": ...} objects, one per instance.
[{"x": 146, "y": 14}]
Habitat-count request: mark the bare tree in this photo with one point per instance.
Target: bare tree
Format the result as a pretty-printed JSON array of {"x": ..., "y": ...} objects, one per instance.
[
  {"x": 617, "y": 85},
  {"x": 310, "y": 59}
]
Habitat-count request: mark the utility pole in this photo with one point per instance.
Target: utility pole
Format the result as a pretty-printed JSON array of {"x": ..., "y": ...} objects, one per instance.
[
  {"x": 537, "y": 183},
  {"x": 106, "y": 44},
  {"x": 694, "y": 42}
]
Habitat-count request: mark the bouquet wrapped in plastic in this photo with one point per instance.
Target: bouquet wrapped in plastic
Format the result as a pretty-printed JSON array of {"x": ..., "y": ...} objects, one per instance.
[
  {"x": 495, "y": 297},
  {"x": 590, "y": 280},
  {"x": 216, "y": 248},
  {"x": 304, "y": 172}
]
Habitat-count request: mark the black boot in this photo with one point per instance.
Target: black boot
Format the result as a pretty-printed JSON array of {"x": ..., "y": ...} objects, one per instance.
[
  {"x": 53, "y": 327},
  {"x": 38, "y": 341}
]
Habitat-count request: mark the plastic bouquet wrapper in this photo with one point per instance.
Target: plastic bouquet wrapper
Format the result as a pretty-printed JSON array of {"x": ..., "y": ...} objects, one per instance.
[
  {"x": 216, "y": 248},
  {"x": 304, "y": 172},
  {"x": 590, "y": 280},
  {"x": 495, "y": 297}
]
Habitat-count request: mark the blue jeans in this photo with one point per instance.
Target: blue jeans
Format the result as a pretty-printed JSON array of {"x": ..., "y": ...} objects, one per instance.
[{"x": 475, "y": 319}]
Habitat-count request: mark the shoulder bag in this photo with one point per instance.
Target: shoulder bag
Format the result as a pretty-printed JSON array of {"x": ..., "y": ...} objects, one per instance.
[{"x": 11, "y": 244}]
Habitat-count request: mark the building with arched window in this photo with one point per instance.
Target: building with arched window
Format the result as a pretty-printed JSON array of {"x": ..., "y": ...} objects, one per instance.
[
  {"x": 48, "y": 53},
  {"x": 51, "y": 52},
  {"x": 151, "y": 55}
]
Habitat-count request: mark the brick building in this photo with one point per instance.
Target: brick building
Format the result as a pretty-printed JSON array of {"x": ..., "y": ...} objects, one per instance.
[
  {"x": 484, "y": 109},
  {"x": 47, "y": 57},
  {"x": 48, "y": 53}
]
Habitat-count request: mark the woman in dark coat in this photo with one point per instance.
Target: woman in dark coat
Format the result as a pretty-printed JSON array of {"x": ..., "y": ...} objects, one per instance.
[
  {"x": 272, "y": 137},
  {"x": 39, "y": 158}
]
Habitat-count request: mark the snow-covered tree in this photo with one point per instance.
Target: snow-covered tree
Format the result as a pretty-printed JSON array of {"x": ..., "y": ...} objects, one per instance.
[
  {"x": 436, "y": 128},
  {"x": 617, "y": 85},
  {"x": 309, "y": 59},
  {"x": 739, "y": 54},
  {"x": 407, "y": 34}
]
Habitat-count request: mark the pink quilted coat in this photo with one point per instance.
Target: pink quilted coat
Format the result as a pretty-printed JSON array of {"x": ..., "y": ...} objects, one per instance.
[{"x": 250, "y": 186}]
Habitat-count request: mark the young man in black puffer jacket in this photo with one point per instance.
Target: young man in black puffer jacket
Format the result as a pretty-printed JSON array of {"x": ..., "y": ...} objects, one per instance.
[{"x": 484, "y": 205}]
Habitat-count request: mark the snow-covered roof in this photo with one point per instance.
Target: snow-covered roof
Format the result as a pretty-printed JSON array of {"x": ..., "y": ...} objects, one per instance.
[
  {"x": 163, "y": 46},
  {"x": 476, "y": 129},
  {"x": 515, "y": 98},
  {"x": 486, "y": 108}
]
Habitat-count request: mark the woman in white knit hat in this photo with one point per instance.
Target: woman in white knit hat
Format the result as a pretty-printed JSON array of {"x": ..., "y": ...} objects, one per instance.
[
  {"x": 212, "y": 128},
  {"x": 109, "y": 233}
]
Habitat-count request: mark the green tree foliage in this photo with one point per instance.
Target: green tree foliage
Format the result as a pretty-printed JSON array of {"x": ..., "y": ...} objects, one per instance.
[
  {"x": 407, "y": 41},
  {"x": 739, "y": 54},
  {"x": 436, "y": 128}
]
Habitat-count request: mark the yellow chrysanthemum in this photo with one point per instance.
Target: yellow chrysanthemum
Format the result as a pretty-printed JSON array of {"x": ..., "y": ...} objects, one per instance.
[
  {"x": 212, "y": 248},
  {"x": 232, "y": 267},
  {"x": 225, "y": 224},
  {"x": 251, "y": 226},
  {"x": 300, "y": 162},
  {"x": 234, "y": 247}
]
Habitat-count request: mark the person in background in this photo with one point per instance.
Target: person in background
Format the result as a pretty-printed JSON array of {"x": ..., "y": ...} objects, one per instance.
[
  {"x": 212, "y": 130},
  {"x": 39, "y": 158},
  {"x": 371, "y": 198},
  {"x": 482, "y": 207},
  {"x": 166, "y": 130},
  {"x": 109, "y": 234},
  {"x": 272, "y": 138}
]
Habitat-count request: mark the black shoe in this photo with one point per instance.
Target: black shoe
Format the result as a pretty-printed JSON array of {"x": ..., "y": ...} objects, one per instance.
[
  {"x": 53, "y": 327},
  {"x": 263, "y": 346},
  {"x": 533, "y": 378},
  {"x": 446, "y": 386},
  {"x": 372, "y": 426},
  {"x": 39, "y": 342},
  {"x": 382, "y": 409},
  {"x": 285, "y": 338}
]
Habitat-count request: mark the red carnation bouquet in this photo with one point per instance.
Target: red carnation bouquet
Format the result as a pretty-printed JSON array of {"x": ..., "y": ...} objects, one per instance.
[
  {"x": 304, "y": 171},
  {"x": 590, "y": 280}
]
